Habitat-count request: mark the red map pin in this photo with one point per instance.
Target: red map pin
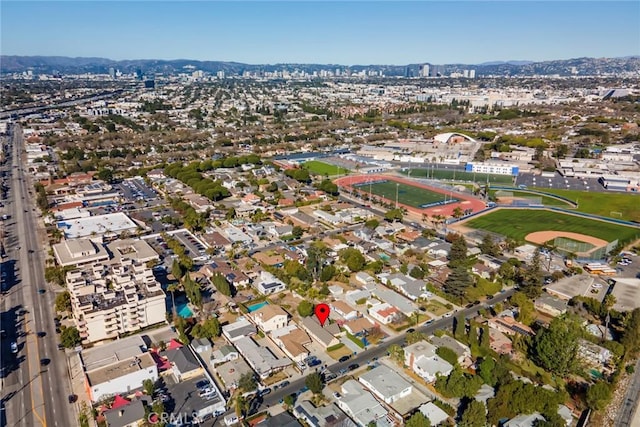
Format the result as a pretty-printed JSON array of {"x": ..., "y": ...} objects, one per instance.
[{"x": 322, "y": 313}]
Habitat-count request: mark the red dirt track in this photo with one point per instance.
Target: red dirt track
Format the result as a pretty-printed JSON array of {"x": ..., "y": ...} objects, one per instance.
[{"x": 466, "y": 202}]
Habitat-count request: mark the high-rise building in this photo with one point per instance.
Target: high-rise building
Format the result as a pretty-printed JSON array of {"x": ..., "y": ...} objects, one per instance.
[
  {"x": 424, "y": 70},
  {"x": 472, "y": 74},
  {"x": 112, "y": 72}
]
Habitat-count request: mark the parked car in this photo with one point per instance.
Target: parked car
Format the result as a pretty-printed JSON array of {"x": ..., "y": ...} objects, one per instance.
[
  {"x": 344, "y": 359},
  {"x": 265, "y": 391},
  {"x": 14, "y": 347},
  {"x": 353, "y": 366},
  {"x": 410, "y": 330}
]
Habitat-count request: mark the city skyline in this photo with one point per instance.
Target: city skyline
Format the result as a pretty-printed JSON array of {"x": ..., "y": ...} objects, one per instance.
[{"x": 344, "y": 33}]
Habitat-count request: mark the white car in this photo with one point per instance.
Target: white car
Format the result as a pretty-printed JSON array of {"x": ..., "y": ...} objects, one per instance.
[
  {"x": 596, "y": 286},
  {"x": 14, "y": 347},
  {"x": 447, "y": 314}
]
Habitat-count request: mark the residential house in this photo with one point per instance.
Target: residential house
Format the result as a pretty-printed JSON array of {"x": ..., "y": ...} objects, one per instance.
[
  {"x": 292, "y": 341},
  {"x": 524, "y": 420},
  {"x": 183, "y": 363},
  {"x": 509, "y": 326},
  {"x": 270, "y": 317},
  {"x": 364, "y": 278},
  {"x": 325, "y": 336},
  {"x": 408, "y": 286},
  {"x": 126, "y": 414},
  {"x": 261, "y": 359},
  {"x": 360, "y": 405},
  {"x": 593, "y": 353},
  {"x": 217, "y": 241},
  {"x": 499, "y": 342},
  {"x": 321, "y": 416},
  {"x": 384, "y": 313},
  {"x": 242, "y": 327},
  {"x": 550, "y": 305},
  {"x": 359, "y": 326},
  {"x": 434, "y": 414},
  {"x": 201, "y": 345},
  {"x": 482, "y": 270},
  {"x": 283, "y": 419},
  {"x": 386, "y": 384},
  {"x": 461, "y": 350},
  {"x": 233, "y": 275},
  {"x": 327, "y": 217},
  {"x": 422, "y": 359},
  {"x": 268, "y": 284},
  {"x": 439, "y": 249},
  {"x": 230, "y": 372},
  {"x": 344, "y": 310},
  {"x": 224, "y": 354}
]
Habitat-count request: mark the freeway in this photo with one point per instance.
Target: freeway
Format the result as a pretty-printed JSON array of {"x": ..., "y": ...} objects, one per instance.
[
  {"x": 375, "y": 352},
  {"x": 34, "y": 387},
  {"x": 21, "y": 112}
]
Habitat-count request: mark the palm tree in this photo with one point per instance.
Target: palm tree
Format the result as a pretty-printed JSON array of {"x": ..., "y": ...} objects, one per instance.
[{"x": 173, "y": 288}]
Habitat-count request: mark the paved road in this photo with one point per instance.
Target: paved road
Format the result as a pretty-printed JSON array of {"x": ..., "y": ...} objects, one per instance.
[
  {"x": 36, "y": 387},
  {"x": 374, "y": 352},
  {"x": 20, "y": 112},
  {"x": 629, "y": 406}
]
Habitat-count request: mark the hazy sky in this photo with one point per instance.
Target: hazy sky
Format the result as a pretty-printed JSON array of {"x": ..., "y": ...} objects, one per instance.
[{"x": 359, "y": 32}]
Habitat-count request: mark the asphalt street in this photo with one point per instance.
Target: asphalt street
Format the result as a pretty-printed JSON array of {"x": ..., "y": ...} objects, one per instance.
[
  {"x": 35, "y": 387},
  {"x": 629, "y": 406}
]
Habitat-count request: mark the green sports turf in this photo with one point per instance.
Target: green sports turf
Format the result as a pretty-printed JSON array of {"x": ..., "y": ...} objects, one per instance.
[
  {"x": 517, "y": 223},
  {"x": 448, "y": 174},
  {"x": 613, "y": 205},
  {"x": 407, "y": 194},
  {"x": 320, "y": 168}
]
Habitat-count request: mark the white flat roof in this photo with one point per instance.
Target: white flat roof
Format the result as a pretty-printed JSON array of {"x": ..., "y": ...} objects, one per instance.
[{"x": 113, "y": 223}]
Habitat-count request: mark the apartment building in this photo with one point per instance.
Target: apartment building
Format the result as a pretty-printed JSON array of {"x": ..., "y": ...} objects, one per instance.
[{"x": 112, "y": 299}]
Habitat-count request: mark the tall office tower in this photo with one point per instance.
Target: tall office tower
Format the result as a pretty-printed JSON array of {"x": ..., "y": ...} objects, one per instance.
[
  {"x": 472, "y": 74},
  {"x": 112, "y": 72},
  {"x": 424, "y": 70},
  {"x": 465, "y": 74},
  {"x": 436, "y": 71}
]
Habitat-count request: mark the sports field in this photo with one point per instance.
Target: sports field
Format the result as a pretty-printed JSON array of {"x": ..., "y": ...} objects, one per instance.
[
  {"x": 321, "y": 168},
  {"x": 407, "y": 194},
  {"x": 609, "y": 204},
  {"x": 546, "y": 200},
  {"x": 457, "y": 175},
  {"x": 517, "y": 223}
]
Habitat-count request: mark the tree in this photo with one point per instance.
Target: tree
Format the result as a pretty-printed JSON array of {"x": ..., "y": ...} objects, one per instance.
[
  {"x": 176, "y": 269},
  {"x": 489, "y": 246},
  {"x": 458, "y": 252},
  {"x": 417, "y": 272},
  {"x": 316, "y": 256},
  {"x": 531, "y": 277},
  {"x": 474, "y": 415},
  {"x": 222, "y": 285},
  {"x": 305, "y": 308},
  {"x": 447, "y": 354},
  {"x": 394, "y": 215},
  {"x": 372, "y": 224},
  {"x": 457, "y": 212},
  {"x": 396, "y": 353},
  {"x": 414, "y": 337},
  {"x": 555, "y": 348},
  {"x": 353, "y": 259},
  {"x": 247, "y": 382},
  {"x": 458, "y": 281},
  {"x": 210, "y": 329},
  {"x": 486, "y": 370},
  {"x": 598, "y": 395},
  {"x": 70, "y": 337},
  {"x": 525, "y": 306},
  {"x": 460, "y": 329},
  {"x": 63, "y": 302},
  {"x": 106, "y": 175},
  {"x": 418, "y": 420},
  {"x": 314, "y": 383},
  {"x": 297, "y": 231},
  {"x": 631, "y": 335},
  {"x": 289, "y": 400},
  {"x": 148, "y": 386}
]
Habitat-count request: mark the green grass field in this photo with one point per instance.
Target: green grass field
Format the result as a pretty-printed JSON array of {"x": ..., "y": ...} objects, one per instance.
[
  {"x": 320, "y": 168},
  {"x": 547, "y": 201},
  {"x": 448, "y": 174},
  {"x": 603, "y": 203},
  {"x": 407, "y": 194},
  {"x": 517, "y": 223}
]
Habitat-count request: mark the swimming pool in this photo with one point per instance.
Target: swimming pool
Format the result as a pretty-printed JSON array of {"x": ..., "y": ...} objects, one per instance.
[
  {"x": 257, "y": 306},
  {"x": 183, "y": 310}
]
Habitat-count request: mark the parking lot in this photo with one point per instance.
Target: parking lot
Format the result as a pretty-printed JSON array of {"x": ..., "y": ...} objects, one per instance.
[{"x": 135, "y": 189}]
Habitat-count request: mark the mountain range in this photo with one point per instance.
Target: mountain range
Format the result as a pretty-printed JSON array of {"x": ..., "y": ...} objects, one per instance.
[{"x": 67, "y": 65}]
